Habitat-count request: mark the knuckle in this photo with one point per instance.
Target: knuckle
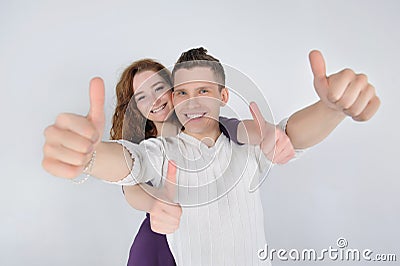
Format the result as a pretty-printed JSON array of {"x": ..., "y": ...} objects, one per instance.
[
  {"x": 348, "y": 72},
  {"x": 62, "y": 119},
  {"x": 378, "y": 101},
  {"x": 371, "y": 90},
  {"x": 45, "y": 164},
  {"x": 362, "y": 78},
  {"x": 48, "y": 131},
  {"x": 47, "y": 149}
]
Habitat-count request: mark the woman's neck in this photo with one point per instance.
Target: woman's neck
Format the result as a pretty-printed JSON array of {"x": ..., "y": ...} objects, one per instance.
[{"x": 166, "y": 129}]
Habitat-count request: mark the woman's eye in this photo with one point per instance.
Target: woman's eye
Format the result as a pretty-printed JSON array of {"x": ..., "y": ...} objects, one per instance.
[
  {"x": 161, "y": 88},
  {"x": 139, "y": 98}
]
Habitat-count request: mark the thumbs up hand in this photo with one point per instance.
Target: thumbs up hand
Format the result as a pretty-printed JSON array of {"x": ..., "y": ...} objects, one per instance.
[
  {"x": 344, "y": 91},
  {"x": 275, "y": 144},
  {"x": 164, "y": 214},
  {"x": 71, "y": 140}
]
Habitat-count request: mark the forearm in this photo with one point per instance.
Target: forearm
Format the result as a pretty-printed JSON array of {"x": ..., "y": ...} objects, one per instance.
[
  {"x": 112, "y": 162},
  {"x": 312, "y": 124},
  {"x": 140, "y": 197}
]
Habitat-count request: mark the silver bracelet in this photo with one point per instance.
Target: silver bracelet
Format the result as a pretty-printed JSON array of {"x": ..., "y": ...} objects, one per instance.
[{"x": 86, "y": 171}]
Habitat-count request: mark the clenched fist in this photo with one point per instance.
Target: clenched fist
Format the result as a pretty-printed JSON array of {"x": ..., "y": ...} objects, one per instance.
[
  {"x": 344, "y": 91},
  {"x": 70, "y": 141},
  {"x": 165, "y": 215}
]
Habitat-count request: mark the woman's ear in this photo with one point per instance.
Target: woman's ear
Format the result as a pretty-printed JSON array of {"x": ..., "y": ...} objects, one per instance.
[
  {"x": 173, "y": 97},
  {"x": 224, "y": 96}
]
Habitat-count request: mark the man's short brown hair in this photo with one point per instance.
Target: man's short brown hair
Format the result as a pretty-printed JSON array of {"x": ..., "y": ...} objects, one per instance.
[{"x": 198, "y": 57}]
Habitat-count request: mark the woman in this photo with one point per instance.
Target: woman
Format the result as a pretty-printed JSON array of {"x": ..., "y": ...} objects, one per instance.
[{"x": 142, "y": 127}]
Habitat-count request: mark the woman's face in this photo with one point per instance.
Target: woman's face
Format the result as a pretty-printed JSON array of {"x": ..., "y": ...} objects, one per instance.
[{"x": 152, "y": 96}]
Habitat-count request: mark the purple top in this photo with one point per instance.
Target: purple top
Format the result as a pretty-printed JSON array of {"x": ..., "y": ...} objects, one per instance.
[{"x": 150, "y": 248}]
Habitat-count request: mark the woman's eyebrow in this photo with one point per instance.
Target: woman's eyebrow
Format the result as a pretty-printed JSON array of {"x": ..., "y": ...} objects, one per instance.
[
  {"x": 155, "y": 84},
  {"x": 138, "y": 93}
]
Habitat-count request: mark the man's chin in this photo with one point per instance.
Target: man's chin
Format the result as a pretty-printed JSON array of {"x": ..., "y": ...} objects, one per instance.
[
  {"x": 195, "y": 130},
  {"x": 200, "y": 126}
]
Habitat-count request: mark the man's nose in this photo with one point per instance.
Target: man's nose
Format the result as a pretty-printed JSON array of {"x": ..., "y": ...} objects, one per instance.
[{"x": 193, "y": 102}]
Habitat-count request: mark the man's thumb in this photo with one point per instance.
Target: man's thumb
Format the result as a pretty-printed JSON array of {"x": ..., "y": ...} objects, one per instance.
[
  {"x": 258, "y": 118},
  {"x": 96, "y": 113},
  {"x": 318, "y": 68}
]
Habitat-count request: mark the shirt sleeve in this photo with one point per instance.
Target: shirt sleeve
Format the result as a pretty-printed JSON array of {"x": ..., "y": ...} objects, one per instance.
[
  {"x": 229, "y": 127},
  {"x": 148, "y": 161}
]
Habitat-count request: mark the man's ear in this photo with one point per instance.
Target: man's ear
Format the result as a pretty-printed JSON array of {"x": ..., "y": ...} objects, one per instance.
[{"x": 224, "y": 96}]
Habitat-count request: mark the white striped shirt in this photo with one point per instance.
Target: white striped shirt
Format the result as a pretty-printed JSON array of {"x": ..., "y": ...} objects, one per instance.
[{"x": 222, "y": 223}]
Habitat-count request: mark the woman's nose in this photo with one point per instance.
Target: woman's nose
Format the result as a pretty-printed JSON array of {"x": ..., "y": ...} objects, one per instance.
[{"x": 157, "y": 101}]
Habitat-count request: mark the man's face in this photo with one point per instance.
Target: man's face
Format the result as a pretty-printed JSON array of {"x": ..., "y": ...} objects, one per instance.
[{"x": 197, "y": 100}]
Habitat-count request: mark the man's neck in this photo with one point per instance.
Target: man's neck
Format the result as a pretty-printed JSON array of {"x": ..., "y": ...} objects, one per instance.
[{"x": 209, "y": 139}]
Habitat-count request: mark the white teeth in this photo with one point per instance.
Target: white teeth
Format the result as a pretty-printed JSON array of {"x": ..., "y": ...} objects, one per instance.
[
  {"x": 193, "y": 116},
  {"x": 158, "y": 109}
]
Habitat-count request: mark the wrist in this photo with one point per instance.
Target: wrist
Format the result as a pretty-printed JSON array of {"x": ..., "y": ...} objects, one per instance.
[{"x": 332, "y": 110}]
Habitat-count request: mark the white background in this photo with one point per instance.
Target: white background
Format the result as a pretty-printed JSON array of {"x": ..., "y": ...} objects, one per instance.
[{"x": 343, "y": 187}]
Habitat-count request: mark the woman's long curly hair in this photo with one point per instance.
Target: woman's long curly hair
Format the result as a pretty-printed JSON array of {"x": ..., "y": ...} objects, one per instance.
[{"x": 128, "y": 123}]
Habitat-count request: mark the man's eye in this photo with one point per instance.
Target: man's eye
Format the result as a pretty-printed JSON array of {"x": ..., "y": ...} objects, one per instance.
[
  {"x": 180, "y": 93},
  {"x": 203, "y": 91}
]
